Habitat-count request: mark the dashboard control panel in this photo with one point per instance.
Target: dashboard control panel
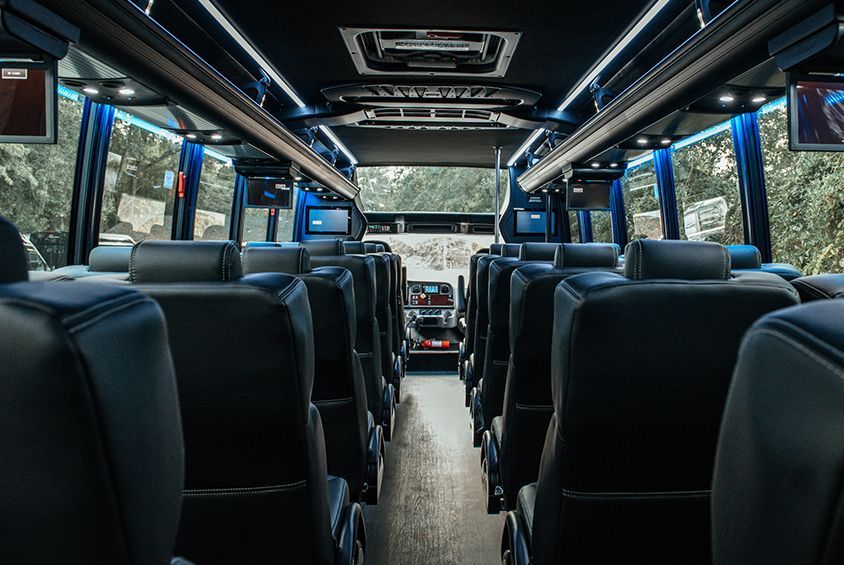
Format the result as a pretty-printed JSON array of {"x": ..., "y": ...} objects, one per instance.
[{"x": 428, "y": 294}]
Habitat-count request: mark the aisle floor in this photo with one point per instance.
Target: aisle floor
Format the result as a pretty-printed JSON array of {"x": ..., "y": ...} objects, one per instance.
[{"x": 431, "y": 508}]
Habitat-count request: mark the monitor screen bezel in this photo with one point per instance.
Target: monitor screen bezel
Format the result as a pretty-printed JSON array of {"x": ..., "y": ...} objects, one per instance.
[
  {"x": 51, "y": 102},
  {"x": 289, "y": 206},
  {"x": 308, "y": 211},
  {"x": 571, "y": 184},
  {"x": 794, "y": 144},
  {"x": 533, "y": 211}
]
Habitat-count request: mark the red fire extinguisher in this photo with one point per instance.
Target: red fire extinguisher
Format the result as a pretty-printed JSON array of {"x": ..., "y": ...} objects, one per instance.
[{"x": 435, "y": 344}]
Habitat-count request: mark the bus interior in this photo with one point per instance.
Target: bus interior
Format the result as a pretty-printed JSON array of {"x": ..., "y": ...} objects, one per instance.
[{"x": 437, "y": 282}]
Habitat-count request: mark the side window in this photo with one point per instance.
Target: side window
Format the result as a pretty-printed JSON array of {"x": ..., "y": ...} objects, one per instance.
[
  {"x": 805, "y": 202},
  {"x": 36, "y": 187},
  {"x": 574, "y": 226},
  {"x": 602, "y": 226},
  {"x": 706, "y": 184},
  {"x": 140, "y": 183},
  {"x": 286, "y": 221},
  {"x": 214, "y": 199},
  {"x": 641, "y": 202},
  {"x": 255, "y": 224}
]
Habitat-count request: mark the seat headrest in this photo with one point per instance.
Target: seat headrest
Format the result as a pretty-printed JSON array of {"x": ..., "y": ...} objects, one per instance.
[
  {"x": 374, "y": 247},
  {"x": 324, "y": 247},
  {"x": 511, "y": 250},
  {"x": 155, "y": 261},
  {"x": 745, "y": 256},
  {"x": 676, "y": 259},
  {"x": 354, "y": 247},
  {"x": 13, "y": 264},
  {"x": 110, "y": 259},
  {"x": 580, "y": 255},
  {"x": 289, "y": 260},
  {"x": 538, "y": 251},
  {"x": 495, "y": 248},
  {"x": 263, "y": 244}
]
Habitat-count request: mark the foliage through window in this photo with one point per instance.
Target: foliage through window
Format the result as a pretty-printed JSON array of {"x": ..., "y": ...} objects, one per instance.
[
  {"x": 214, "y": 199},
  {"x": 805, "y": 198},
  {"x": 429, "y": 189},
  {"x": 706, "y": 185},
  {"x": 255, "y": 224},
  {"x": 641, "y": 202},
  {"x": 602, "y": 226},
  {"x": 36, "y": 187},
  {"x": 574, "y": 227},
  {"x": 286, "y": 220},
  {"x": 140, "y": 183}
]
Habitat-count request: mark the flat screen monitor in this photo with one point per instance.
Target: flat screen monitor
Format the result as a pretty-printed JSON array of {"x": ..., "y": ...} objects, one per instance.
[
  {"x": 28, "y": 102},
  {"x": 329, "y": 221},
  {"x": 269, "y": 192},
  {"x": 815, "y": 112},
  {"x": 532, "y": 222},
  {"x": 588, "y": 196}
]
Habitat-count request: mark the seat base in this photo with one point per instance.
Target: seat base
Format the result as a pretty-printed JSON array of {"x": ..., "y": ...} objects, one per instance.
[
  {"x": 388, "y": 416},
  {"x": 375, "y": 465},
  {"x": 490, "y": 474},
  {"x": 476, "y": 419}
]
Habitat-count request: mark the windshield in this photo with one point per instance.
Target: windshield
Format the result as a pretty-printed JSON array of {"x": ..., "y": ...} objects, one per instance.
[{"x": 429, "y": 189}]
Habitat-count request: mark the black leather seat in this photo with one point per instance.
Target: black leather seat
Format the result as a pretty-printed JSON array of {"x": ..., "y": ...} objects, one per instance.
[
  {"x": 475, "y": 360},
  {"x": 256, "y": 487},
  {"x": 354, "y": 444},
  {"x": 512, "y": 447},
  {"x": 467, "y": 347},
  {"x": 640, "y": 368},
  {"x": 380, "y": 395},
  {"x": 779, "y": 472},
  {"x": 487, "y": 398},
  {"x": 820, "y": 287},
  {"x": 92, "y": 464},
  {"x": 747, "y": 258}
]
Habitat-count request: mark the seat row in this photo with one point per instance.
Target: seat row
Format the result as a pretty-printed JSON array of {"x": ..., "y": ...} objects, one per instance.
[
  {"x": 216, "y": 408},
  {"x": 613, "y": 400}
]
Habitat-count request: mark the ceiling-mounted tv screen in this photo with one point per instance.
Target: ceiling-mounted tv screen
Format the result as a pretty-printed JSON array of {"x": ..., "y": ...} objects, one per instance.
[
  {"x": 815, "y": 112},
  {"x": 28, "y": 102},
  {"x": 269, "y": 192},
  {"x": 592, "y": 195},
  {"x": 328, "y": 221},
  {"x": 532, "y": 222}
]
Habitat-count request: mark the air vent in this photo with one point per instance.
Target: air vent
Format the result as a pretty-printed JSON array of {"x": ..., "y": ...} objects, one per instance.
[
  {"x": 483, "y": 229},
  {"x": 431, "y": 118},
  {"x": 430, "y": 52},
  {"x": 431, "y": 228},
  {"x": 427, "y": 95}
]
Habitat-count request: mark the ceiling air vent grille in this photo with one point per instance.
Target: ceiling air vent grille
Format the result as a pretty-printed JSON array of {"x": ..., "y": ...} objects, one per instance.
[{"x": 431, "y": 118}]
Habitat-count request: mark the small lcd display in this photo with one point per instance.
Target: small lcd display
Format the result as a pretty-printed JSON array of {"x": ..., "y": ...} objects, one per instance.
[
  {"x": 28, "y": 102},
  {"x": 531, "y": 222},
  {"x": 588, "y": 196},
  {"x": 816, "y": 112},
  {"x": 431, "y": 288},
  {"x": 268, "y": 192},
  {"x": 329, "y": 221}
]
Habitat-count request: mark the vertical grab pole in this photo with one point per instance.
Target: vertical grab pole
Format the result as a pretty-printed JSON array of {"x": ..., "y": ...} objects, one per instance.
[{"x": 497, "y": 192}]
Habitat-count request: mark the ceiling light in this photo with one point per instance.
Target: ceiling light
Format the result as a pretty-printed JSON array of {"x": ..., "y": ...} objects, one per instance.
[
  {"x": 297, "y": 178},
  {"x": 665, "y": 141},
  {"x": 90, "y": 90},
  {"x": 759, "y": 99},
  {"x": 216, "y": 137},
  {"x": 614, "y": 165},
  {"x": 336, "y": 141},
  {"x": 191, "y": 136},
  {"x": 642, "y": 141},
  {"x": 726, "y": 98},
  {"x": 596, "y": 165},
  {"x": 524, "y": 147},
  {"x": 619, "y": 47},
  {"x": 238, "y": 37},
  {"x": 126, "y": 91}
]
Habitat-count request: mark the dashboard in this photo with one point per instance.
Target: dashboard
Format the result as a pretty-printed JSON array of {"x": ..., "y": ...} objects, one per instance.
[{"x": 431, "y": 303}]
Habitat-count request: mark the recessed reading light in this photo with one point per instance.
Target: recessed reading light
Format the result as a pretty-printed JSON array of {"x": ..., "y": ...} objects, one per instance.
[
  {"x": 665, "y": 141},
  {"x": 613, "y": 165},
  {"x": 726, "y": 98},
  {"x": 90, "y": 90},
  {"x": 191, "y": 136},
  {"x": 126, "y": 91},
  {"x": 216, "y": 137},
  {"x": 642, "y": 141},
  {"x": 759, "y": 99},
  {"x": 596, "y": 165}
]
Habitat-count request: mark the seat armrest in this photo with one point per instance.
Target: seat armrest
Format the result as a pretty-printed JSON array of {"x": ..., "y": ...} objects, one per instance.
[
  {"x": 351, "y": 536},
  {"x": 515, "y": 541}
]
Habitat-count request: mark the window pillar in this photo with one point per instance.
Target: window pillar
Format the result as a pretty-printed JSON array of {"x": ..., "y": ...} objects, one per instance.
[
  {"x": 667, "y": 197},
  {"x": 190, "y": 168}
]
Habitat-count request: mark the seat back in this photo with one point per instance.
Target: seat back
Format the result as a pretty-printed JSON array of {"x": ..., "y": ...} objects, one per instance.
[
  {"x": 777, "y": 491},
  {"x": 640, "y": 367},
  {"x": 339, "y": 390},
  {"x": 748, "y": 258},
  {"x": 92, "y": 443},
  {"x": 255, "y": 473},
  {"x": 820, "y": 287}
]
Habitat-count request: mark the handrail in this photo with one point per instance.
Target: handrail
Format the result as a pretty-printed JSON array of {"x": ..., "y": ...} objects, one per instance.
[
  {"x": 122, "y": 36},
  {"x": 733, "y": 42}
]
